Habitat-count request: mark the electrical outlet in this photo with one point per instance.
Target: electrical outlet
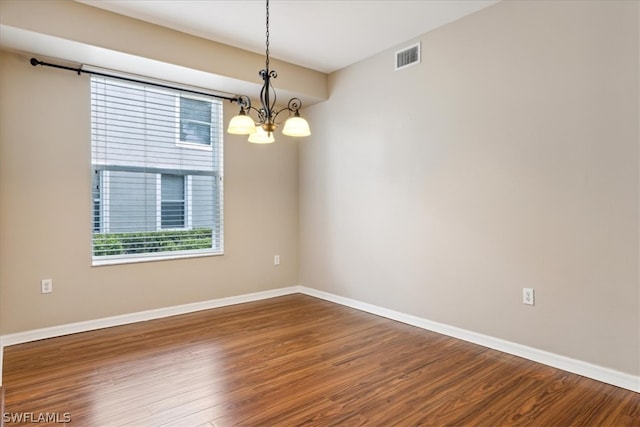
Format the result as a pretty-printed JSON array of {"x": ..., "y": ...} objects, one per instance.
[
  {"x": 527, "y": 296},
  {"x": 276, "y": 260},
  {"x": 46, "y": 286}
]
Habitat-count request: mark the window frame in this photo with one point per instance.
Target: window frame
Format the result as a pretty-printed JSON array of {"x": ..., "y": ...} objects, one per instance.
[
  {"x": 186, "y": 202},
  {"x": 179, "y": 119},
  {"x": 216, "y": 146}
]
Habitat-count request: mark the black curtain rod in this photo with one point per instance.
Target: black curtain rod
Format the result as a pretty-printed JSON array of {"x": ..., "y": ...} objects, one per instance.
[{"x": 79, "y": 70}]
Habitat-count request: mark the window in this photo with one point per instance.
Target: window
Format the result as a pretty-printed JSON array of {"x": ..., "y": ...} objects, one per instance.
[
  {"x": 97, "y": 205},
  {"x": 154, "y": 198},
  {"x": 195, "y": 121},
  {"x": 172, "y": 203}
]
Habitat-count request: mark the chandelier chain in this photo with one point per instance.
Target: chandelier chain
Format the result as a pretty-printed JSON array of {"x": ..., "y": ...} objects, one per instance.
[{"x": 267, "y": 34}]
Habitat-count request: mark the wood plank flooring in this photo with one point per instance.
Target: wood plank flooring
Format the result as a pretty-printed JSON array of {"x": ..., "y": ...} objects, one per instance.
[{"x": 294, "y": 361}]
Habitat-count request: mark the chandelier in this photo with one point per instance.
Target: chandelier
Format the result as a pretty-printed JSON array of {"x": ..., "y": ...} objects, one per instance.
[{"x": 261, "y": 130}]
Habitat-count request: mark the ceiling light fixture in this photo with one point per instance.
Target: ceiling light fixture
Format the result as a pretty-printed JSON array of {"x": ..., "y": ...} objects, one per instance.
[{"x": 261, "y": 130}]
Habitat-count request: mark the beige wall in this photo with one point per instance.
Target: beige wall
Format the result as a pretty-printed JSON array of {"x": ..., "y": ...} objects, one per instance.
[
  {"x": 45, "y": 214},
  {"x": 507, "y": 159}
]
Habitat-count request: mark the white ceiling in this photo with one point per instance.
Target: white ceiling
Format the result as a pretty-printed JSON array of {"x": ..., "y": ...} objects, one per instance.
[{"x": 318, "y": 34}]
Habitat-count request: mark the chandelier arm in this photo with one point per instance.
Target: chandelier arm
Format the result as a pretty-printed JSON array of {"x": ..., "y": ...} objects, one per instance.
[
  {"x": 293, "y": 106},
  {"x": 245, "y": 105},
  {"x": 259, "y": 113},
  {"x": 277, "y": 113},
  {"x": 262, "y": 116},
  {"x": 243, "y": 101}
]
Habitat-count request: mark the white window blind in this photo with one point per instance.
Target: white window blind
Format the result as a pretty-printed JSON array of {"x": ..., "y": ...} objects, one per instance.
[{"x": 157, "y": 186}]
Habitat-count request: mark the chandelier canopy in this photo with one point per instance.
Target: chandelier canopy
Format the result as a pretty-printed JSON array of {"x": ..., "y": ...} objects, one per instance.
[{"x": 260, "y": 130}]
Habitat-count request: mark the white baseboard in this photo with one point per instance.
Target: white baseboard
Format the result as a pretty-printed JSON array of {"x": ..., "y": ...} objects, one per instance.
[
  {"x": 606, "y": 375},
  {"x": 141, "y": 316}
]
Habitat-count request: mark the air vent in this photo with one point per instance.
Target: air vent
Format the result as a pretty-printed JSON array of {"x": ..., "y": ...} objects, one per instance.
[{"x": 408, "y": 56}]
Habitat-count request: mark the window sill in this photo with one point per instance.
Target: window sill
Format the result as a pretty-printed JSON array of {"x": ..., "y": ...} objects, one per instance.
[
  {"x": 102, "y": 261},
  {"x": 194, "y": 145}
]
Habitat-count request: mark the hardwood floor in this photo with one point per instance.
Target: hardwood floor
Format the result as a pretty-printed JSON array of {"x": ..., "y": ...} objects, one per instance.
[{"x": 290, "y": 361}]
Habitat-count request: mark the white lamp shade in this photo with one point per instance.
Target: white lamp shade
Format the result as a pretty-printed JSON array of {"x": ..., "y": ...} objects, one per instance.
[
  {"x": 296, "y": 126},
  {"x": 260, "y": 136},
  {"x": 241, "y": 125}
]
